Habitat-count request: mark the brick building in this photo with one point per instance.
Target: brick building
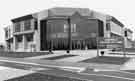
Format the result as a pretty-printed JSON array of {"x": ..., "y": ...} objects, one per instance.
[{"x": 49, "y": 29}]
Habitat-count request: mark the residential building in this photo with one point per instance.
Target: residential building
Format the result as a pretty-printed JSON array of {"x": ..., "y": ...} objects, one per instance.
[{"x": 49, "y": 29}]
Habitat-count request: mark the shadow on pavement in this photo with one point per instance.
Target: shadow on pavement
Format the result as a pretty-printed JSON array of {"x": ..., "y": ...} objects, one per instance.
[
  {"x": 59, "y": 57},
  {"x": 107, "y": 60}
]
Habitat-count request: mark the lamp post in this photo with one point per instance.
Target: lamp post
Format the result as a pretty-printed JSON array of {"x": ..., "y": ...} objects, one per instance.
[
  {"x": 69, "y": 36},
  {"x": 97, "y": 40}
]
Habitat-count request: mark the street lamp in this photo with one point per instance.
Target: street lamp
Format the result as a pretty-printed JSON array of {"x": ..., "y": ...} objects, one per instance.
[{"x": 69, "y": 36}]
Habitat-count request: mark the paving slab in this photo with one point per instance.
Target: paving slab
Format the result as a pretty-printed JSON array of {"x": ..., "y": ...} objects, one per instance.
[
  {"x": 10, "y": 73},
  {"x": 130, "y": 65}
]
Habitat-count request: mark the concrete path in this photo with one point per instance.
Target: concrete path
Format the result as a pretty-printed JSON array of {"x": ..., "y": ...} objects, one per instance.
[
  {"x": 85, "y": 54},
  {"x": 10, "y": 73},
  {"x": 82, "y": 55}
]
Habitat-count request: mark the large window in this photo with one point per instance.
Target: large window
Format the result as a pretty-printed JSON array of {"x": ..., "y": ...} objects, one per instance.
[
  {"x": 65, "y": 28},
  {"x": 29, "y": 37},
  {"x": 27, "y": 25},
  {"x": 17, "y": 27},
  {"x": 73, "y": 28},
  {"x": 19, "y": 38}
]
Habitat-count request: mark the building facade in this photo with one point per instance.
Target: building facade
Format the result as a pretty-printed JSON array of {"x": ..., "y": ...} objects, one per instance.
[
  {"x": 128, "y": 38},
  {"x": 9, "y": 37},
  {"x": 49, "y": 29}
]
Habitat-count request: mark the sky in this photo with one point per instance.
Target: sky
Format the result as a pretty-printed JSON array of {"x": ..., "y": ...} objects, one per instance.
[{"x": 123, "y": 10}]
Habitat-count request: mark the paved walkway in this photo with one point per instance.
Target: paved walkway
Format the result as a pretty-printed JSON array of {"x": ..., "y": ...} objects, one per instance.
[
  {"x": 82, "y": 55},
  {"x": 10, "y": 73}
]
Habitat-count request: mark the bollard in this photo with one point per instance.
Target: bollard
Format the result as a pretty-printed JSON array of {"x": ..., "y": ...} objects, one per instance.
[{"x": 102, "y": 53}]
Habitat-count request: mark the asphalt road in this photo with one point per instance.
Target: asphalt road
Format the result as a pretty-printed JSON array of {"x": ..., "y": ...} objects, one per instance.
[{"x": 87, "y": 74}]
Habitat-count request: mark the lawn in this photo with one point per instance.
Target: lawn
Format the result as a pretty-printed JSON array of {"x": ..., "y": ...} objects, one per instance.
[
  {"x": 22, "y": 54},
  {"x": 59, "y": 57},
  {"x": 107, "y": 60}
]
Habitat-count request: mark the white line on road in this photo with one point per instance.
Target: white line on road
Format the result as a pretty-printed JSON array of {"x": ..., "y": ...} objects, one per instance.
[
  {"x": 78, "y": 69},
  {"x": 126, "y": 72}
]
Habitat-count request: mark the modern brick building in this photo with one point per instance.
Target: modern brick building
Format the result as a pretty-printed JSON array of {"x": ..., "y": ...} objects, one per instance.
[{"x": 49, "y": 29}]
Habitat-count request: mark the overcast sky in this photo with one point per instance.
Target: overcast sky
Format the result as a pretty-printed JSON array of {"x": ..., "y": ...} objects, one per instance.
[{"x": 123, "y": 10}]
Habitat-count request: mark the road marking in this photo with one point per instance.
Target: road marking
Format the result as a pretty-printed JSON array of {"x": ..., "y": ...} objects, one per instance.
[
  {"x": 62, "y": 67},
  {"x": 71, "y": 77},
  {"x": 126, "y": 72},
  {"x": 69, "y": 68},
  {"x": 41, "y": 65},
  {"x": 108, "y": 76}
]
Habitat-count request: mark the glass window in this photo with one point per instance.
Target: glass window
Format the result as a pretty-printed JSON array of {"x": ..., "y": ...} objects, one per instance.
[
  {"x": 65, "y": 28},
  {"x": 125, "y": 32},
  {"x": 6, "y": 34},
  {"x": 29, "y": 37},
  {"x": 19, "y": 38},
  {"x": 17, "y": 27},
  {"x": 36, "y": 25},
  {"x": 27, "y": 25},
  {"x": 73, "y": 27}
]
